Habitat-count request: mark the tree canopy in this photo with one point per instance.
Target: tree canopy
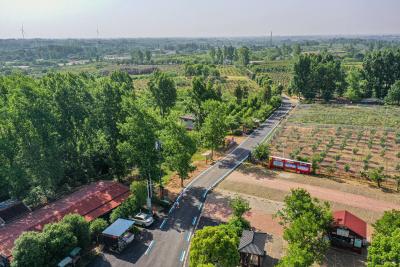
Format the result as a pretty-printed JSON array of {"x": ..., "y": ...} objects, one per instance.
[
  {"x": 215, "y": 245},
  {"x": 306, "y": 222}
]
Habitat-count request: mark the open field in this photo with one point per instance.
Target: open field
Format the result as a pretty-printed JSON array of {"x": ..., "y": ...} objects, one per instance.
[{"x": 347, "y": 141}]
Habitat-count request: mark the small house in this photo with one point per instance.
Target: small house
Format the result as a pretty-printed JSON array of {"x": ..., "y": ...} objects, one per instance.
[
  {"x": 348, "y": 231},
  {"x": 188, "y": 121},
  {"x": 251, "y": 248}
]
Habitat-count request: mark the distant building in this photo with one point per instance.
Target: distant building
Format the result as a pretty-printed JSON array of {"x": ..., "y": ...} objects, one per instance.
[
  {"x": 348, "y": 231},
  {"x": 90, "y": 201}
]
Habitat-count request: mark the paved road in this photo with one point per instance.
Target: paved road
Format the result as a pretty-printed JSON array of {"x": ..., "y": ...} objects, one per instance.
[{"x": 166, "y": 243}]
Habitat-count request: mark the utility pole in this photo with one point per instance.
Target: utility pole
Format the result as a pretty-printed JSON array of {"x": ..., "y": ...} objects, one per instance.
[
  {"x": 271, "y": 39},
  {"x": 23, "y": 32}
]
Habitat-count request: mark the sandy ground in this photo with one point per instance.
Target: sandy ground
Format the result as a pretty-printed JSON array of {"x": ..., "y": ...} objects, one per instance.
[{"x": 266, "y": 190}]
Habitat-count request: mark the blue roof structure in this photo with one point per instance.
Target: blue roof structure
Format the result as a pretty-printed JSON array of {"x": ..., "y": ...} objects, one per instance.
[{"x": 118, "y": 228}]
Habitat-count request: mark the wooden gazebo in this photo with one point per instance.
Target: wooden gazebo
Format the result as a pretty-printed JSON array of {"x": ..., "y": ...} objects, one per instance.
[{"x": 251, "y": 248}]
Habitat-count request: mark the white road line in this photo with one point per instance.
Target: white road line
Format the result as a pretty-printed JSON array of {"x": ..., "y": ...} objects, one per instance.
[
  {"x": 200, "y": 206},
  {"x": 194, "y": 220},
  {"x": 149, "y": 248},
  {"x": 182, "y": 257},
  {"x": 188, "y": 236},
  {"x": 163, "y": 223},
  {"x": 205, "y": 193}
]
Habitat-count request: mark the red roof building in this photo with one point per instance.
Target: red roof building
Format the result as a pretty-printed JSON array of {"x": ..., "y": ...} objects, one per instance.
[
  {"x": 348, "y": 230},
  {"x": 90, "y": 201}
]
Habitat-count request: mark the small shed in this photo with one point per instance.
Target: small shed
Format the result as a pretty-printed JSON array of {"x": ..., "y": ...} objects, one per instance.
[
  {"x": 251, "y": 248},
  {"x": 117, "y": 236},
  {"x": 188, "y": 121},
  {"x": 348, "y": 231}
]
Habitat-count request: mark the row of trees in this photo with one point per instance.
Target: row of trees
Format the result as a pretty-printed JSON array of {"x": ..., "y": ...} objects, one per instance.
[
  {"x": 230, "y": 54},
  {"x": 47, "y": 248},
  {"x": 139, "y": 57},
  {"x": 317, "y": 76},
  {"x": 322, "y": 76},
  {"x": 64, "y": 130}
]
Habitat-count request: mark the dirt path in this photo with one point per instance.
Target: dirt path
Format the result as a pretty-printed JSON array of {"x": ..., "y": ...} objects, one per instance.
[{"x": 354, "y": 200}]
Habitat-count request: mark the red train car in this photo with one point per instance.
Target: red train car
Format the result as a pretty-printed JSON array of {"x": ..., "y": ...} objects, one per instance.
[{"x": 289, "y": 165}]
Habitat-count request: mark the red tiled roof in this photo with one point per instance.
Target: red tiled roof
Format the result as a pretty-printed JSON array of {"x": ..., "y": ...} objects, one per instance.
[
  {"x": 90, "y": 201},
  {"x": 352, "y": 222}
]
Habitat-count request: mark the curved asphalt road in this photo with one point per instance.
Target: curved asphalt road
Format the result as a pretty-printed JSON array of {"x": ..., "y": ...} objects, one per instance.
[{"x": 166, "y": 244}]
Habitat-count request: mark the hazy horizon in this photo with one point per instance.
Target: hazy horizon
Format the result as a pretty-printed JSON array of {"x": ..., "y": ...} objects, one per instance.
[{"x": 61, "y": 19}]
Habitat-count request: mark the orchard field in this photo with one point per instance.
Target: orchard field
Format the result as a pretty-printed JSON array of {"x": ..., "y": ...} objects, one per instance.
[{"x": 343, "y": 141}]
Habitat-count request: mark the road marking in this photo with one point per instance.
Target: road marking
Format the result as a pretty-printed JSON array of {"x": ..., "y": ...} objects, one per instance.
[
  {"x": 163, "y": 223},
  {"x": 200, "y": 206},
  {"x": 205, "y": 193},
  {"x": 149, "y": 248},
  {"x": 188, "y": 236},
  {"x": 182, "y": 257},
  {"x": 194, "y": 220},
  {"x": 171, "y": 209}
]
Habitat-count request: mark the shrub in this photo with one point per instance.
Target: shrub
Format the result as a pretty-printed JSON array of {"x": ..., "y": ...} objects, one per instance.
[
  {"x": 96, "y": 227},
  {"x": 355, "y": 151},
  {"x": 337, "y": 157},
  {"x": 346, "y": 167},
  {"x": 261, "y": 152}
]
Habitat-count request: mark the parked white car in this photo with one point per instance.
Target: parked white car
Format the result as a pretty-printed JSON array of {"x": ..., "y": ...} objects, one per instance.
[{"x": 143, "y": 219}]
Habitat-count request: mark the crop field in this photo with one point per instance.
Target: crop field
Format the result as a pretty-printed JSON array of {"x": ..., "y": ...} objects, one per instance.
[
  {"x": 230, "y": 71},
  {"x": 346, "y": 141},
  {"x": 278, "y": 71}
]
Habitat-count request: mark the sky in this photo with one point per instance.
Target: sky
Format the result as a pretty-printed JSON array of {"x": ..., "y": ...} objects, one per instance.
[{"x": 196, "y": 18}]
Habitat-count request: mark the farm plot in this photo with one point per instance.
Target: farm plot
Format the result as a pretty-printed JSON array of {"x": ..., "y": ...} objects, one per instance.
[
  {"x": 230, "y": 71},
  {"x": 342, "y": 141}
]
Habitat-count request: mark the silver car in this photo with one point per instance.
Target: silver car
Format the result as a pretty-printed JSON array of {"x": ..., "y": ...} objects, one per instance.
[{"x": 143, "y": 219}]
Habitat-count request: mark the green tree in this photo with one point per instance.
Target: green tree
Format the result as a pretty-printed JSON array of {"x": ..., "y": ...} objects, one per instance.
[
  {"x": 381, "y": 70},
  {"x": 29, "y": 251},
  {"x": 306, "y": 222},
  {"x": 139, "y": 192},
  {"x": 261, "y": 152},
  {"x": 215, "y": 245},
  {"x": 214, "y": 128},
  {"x": 244, "y": 55},
  {"x": 212, "y": 52},
  {"x": 164, "y": 92},
  {"x": 148, "y": 56},
  {"x": 384, "y": 250},
  {"x": 59, "y": 241},
  {"x": 200, "y": 93},
  {"x": 96, "y": 227},
  {"x": 355, "y": 85},
  {"x": 239, "y": 206},
  {"x": 377, "y": 176},
  {"x": 177, "y": 148},
  {"x": 79, "y": 227},
  {"x": 137, "y": 56},
  {"x": 393, "y": 96},
  {"x": 389, "y": 222},
  {"x": 127, "y": 209},
  {"x": 138, "y": 144},
  {"x": 220, "y": 56}
]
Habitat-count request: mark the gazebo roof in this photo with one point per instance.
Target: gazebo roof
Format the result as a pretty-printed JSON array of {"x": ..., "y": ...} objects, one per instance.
[{"x": 252, "y": 242}]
